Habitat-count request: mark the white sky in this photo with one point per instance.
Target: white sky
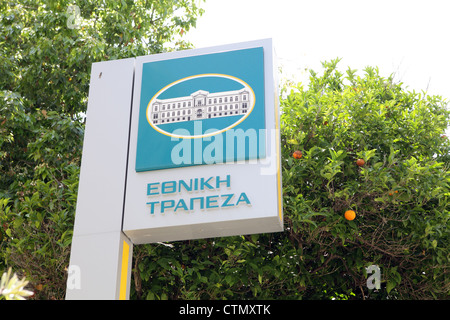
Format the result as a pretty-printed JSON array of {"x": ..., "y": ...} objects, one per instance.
[{"x": 410, "y": 38}]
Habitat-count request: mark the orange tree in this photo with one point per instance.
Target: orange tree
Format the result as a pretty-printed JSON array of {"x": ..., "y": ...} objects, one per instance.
[
  {"x": 399, "y": 193},
  {"x": 399, "y": 190}
]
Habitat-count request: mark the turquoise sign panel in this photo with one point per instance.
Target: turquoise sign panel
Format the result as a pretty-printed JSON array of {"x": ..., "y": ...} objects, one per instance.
[{"x": 201, "y": 110}]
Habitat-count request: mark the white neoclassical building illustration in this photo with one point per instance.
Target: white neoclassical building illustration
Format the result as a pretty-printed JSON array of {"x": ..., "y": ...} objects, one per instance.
[{"x": 201, "y": 105}]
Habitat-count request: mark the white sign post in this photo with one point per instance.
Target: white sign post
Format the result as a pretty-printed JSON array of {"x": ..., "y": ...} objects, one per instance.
[{"x": 181, "y": 145}]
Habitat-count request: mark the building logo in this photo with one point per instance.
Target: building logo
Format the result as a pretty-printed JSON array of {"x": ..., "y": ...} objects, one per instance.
[
  {"x": 236, "y": 105},
  {"x": 199, "y": 110}
]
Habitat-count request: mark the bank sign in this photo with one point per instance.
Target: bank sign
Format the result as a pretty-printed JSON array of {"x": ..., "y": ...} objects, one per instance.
[
  {"x": 177, "y": 146},
  {"x": 204, "y": 158}
]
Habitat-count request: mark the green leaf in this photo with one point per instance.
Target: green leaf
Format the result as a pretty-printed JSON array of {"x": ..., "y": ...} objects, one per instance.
[
  {"x": 434, "y": 244},
  {"x": 390, "y": 285}
]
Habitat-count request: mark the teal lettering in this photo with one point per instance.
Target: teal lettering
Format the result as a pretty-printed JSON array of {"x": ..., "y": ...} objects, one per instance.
[
  {"x": 168, "y": 187},
  {"x": 195, "y": 184},
  {"x": 185, "y": 185},
  {"x": 152, "y": 206},
  {"x": 211, "y": 202},
  {"x": 227, "y": 200},
  {"x": 152, "y": 186},
  {"x": 204, "y": 183},
  {"x": 167, "y": 204},
  {"x": 181, "y": 204},
  {"x": 243, "y": 198},
  {"x": 227, "y": 181},
  {"x": 202, "y": 203}
]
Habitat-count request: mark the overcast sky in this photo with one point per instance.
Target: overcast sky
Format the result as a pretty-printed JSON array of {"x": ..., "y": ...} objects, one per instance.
[{"x": 410, "y": 38}]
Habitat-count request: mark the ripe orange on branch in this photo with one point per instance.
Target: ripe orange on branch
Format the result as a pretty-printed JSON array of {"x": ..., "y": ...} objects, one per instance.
[
  {"x": 360, "y": 162},
  {"x": 297, "y": 154},
  {"x": 350, "y": 215}
]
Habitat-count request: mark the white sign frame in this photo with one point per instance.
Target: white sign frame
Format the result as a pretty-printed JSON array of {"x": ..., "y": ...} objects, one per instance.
[
  {"x": 259, "y": 179},
  {"x": 112, "y": 211}
]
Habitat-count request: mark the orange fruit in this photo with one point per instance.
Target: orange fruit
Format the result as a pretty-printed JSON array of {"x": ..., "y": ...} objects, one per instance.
[
  {"x": 360, "y": 162},
  {"x": 350, "y": 215},
  {"x": 297, "y": 154}
]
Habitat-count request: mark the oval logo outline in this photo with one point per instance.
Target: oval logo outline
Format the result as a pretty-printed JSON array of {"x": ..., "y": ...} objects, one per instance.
[{"x": 161, "y": 91}]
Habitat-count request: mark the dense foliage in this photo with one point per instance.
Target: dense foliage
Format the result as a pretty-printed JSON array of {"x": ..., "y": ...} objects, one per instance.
[
  {"x": 400, "y": 191},
  {"x": 46, "y": 52}
]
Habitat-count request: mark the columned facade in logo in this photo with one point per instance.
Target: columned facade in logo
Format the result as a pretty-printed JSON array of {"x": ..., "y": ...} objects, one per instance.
[{"x": 200, "y": 105}]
